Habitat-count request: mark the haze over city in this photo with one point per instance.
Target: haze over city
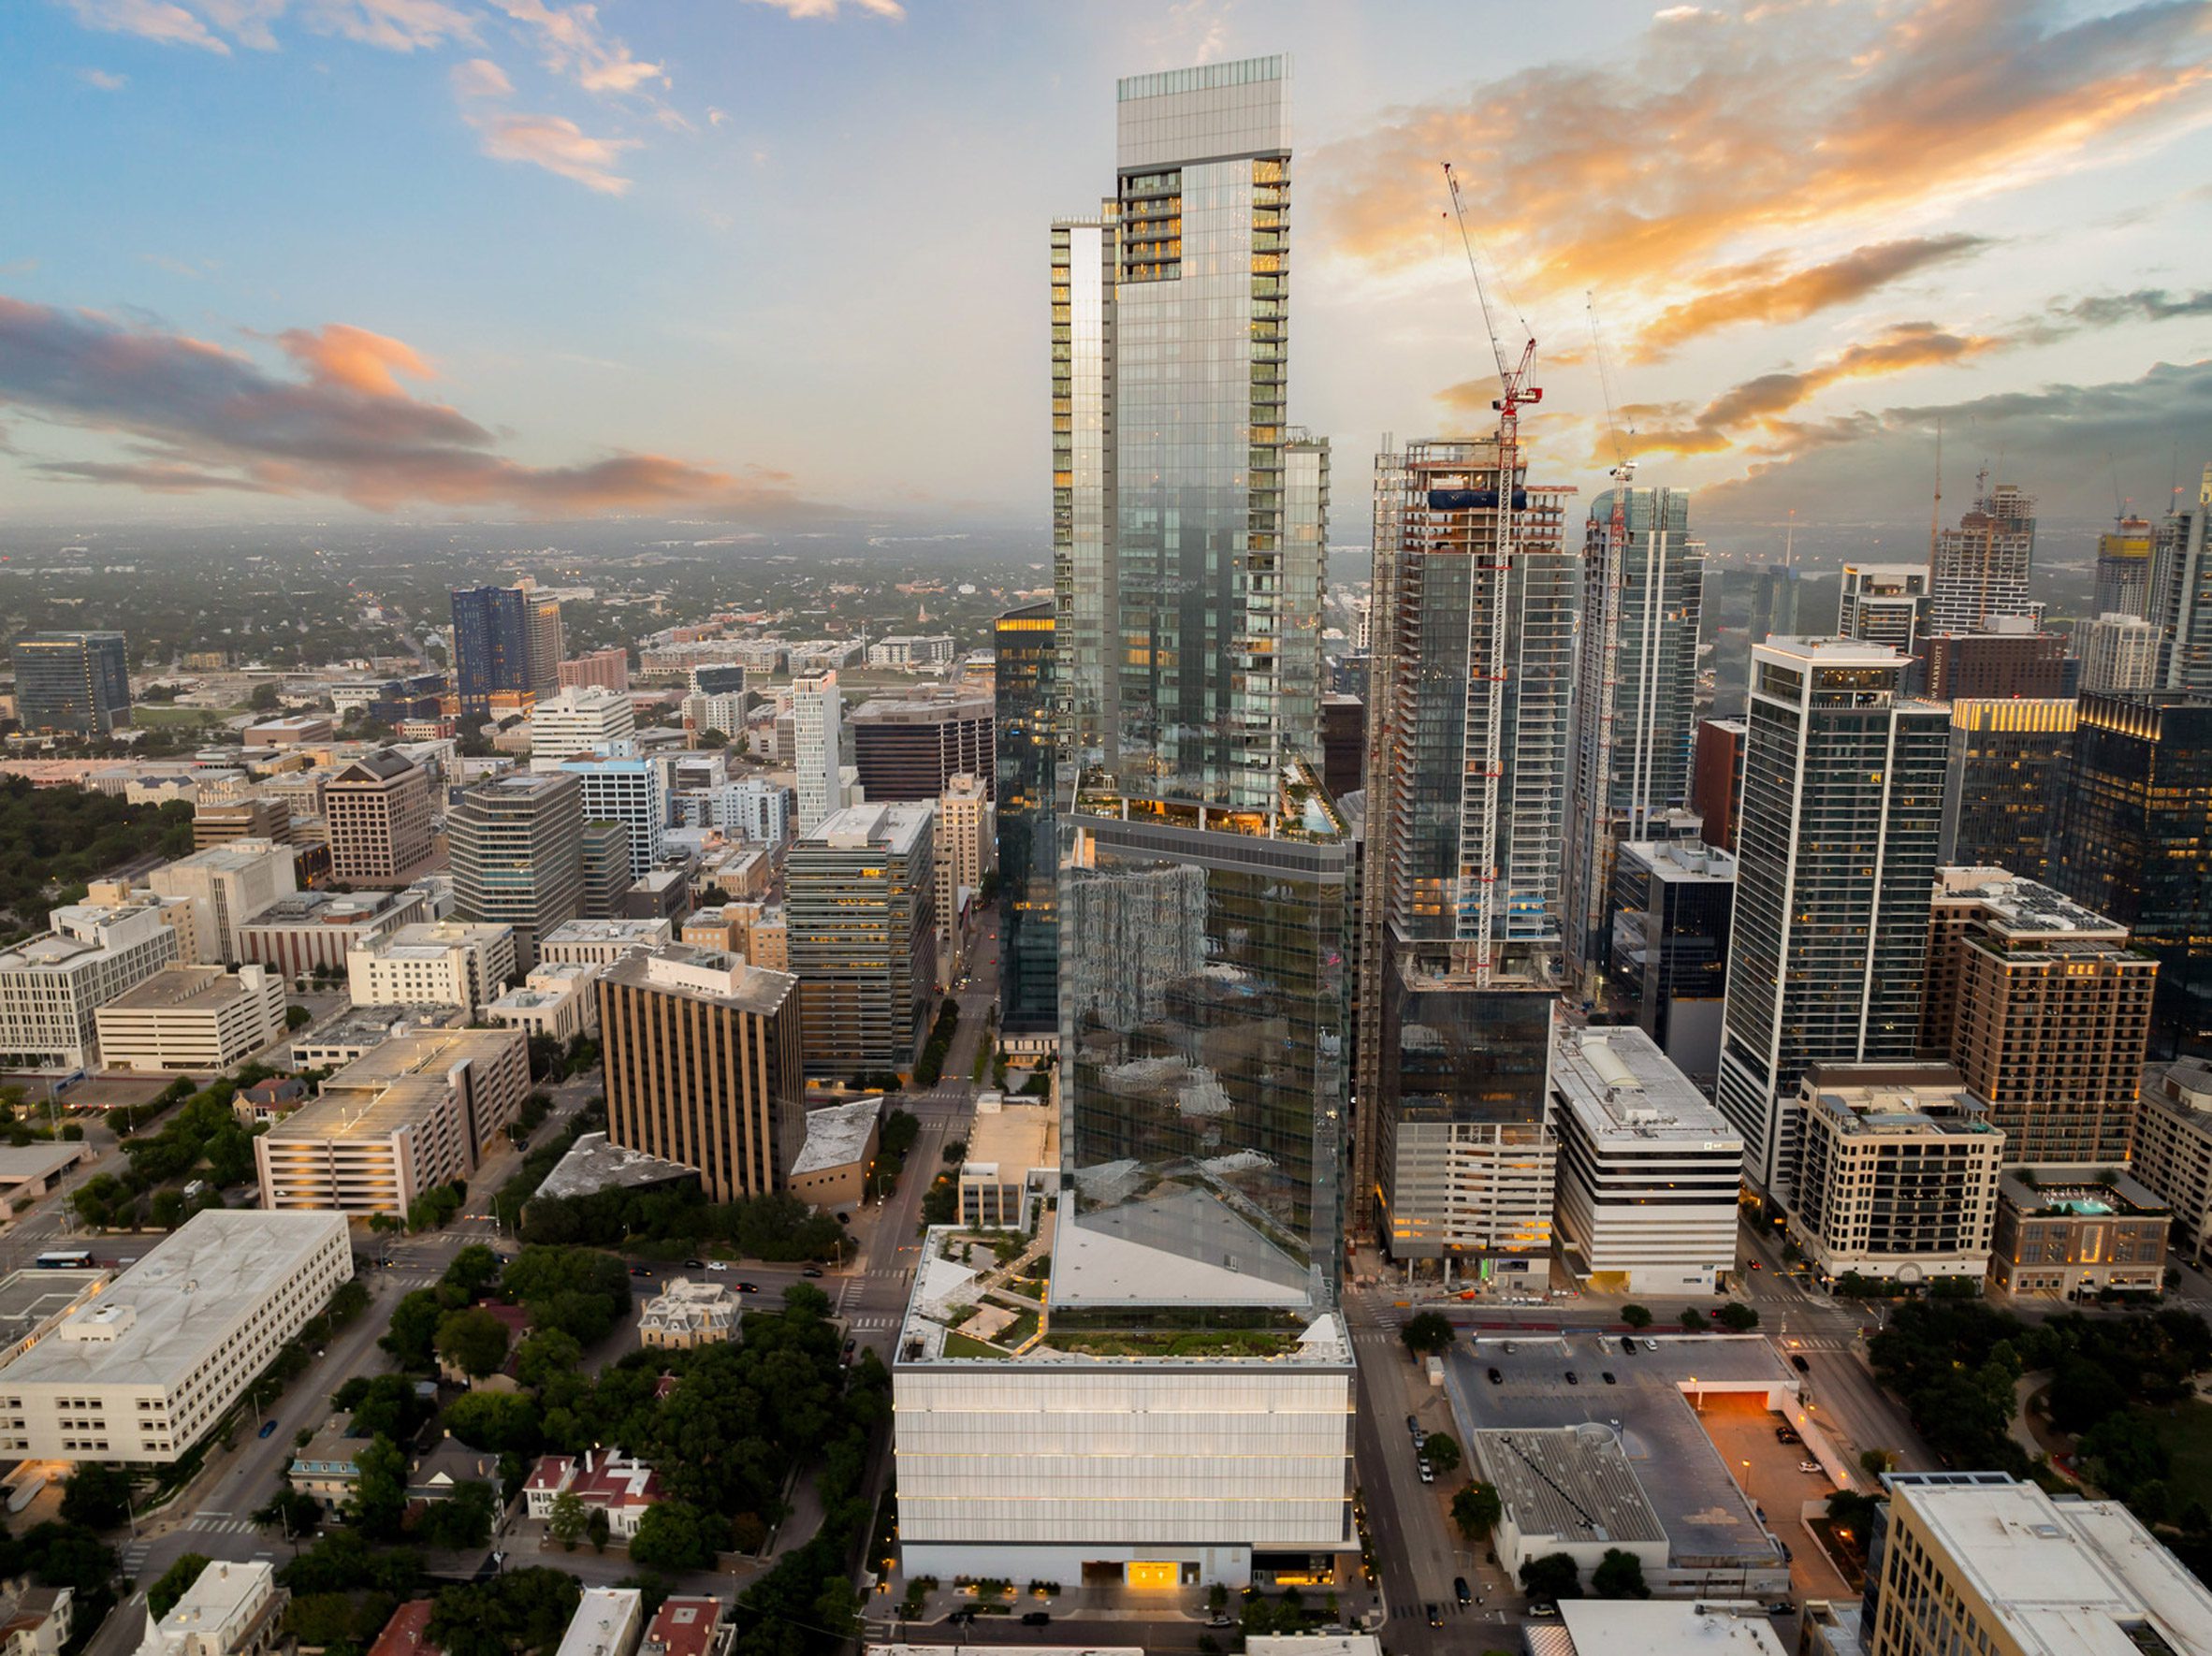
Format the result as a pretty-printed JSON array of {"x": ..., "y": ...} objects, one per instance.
[{"x": 779, "y": 264}]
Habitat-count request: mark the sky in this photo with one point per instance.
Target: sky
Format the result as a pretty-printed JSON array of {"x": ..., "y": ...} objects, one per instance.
[{"x": 783, "y": 261}]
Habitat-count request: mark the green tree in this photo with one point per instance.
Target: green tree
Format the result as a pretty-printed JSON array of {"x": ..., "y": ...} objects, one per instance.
[
  {"x": 379, "y": 1501},
  {"x": 497, "y": 1422},
  {"x": 1851, "y": 1513},
  {"x": 290, "y": 1511},
  {"x": 672, "y": 1535},
  {"x": 473, "y": 1269},
  {"x": 598, "y": 1529},
  {"x": 462, "y": 1521},
  {"x": 1551, "y": 1578},
  {"x": 472, "y": 1341},
  {"x": 1637, "y": 1316},
  {"x": 1619, "y": 1576},
  {"x": 297, "y": 1016},
  {"x": 1692, "y": 1322},
  {"x": 161, "y": 1598},
  {"x": 1474, "y": 1508},
  {"x": 544, "y": 1355},
  {"x": 1874, "y": 1462},
  {"x": 1427, "y": 1332},
  {"x": 1738, "y": 1318},
  {"x": 1442, "y": 1452},
  {"x": 566, "y": 1519},
  {"x": 96, "y": 1496},
  {"x": 414, "y": 1327}
]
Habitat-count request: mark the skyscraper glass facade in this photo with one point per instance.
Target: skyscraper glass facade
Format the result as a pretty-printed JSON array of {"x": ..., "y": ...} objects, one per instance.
[
  {"x": 1028, "y": 844},
  {"x": 492, "y": 645},
  {"x": 72, "y": 682}
]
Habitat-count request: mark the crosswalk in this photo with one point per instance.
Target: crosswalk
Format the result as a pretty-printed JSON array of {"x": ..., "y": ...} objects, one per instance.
[{"x": 864, "y": 1325}]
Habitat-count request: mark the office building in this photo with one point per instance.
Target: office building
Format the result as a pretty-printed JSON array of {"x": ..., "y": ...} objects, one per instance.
[
  {"x": 225, "y": 821},
  {"x": 1842, "y": 803},
  {"x": 627, "y": 790},
  {"x": 860, "y": 900},
  {"x": 225, "y": 886},
  {"x": 491, "y": 646},
  {"x": 2043, "y": 1010},
  {"x": 546, "y": 640},
  {"x": 310, "y": 934},
  {"x": 2174, "y": 1148},
  {"x": 607, "y": 669},
  {"x": 1029, "y": 843},
  {"x": 1884, "y": 603},
  {"x": 1344, "y": 744},
  {"x": 817, "y": 723},
  {"x": 1776, "y": 590},
  {"x": 197, "y": 1018},
  {"x": 2120, "y": 652},
  {"x": 291, "y": 730},
  {"x": 377, "y": 815},
  {"x": 2078, "y": 1232},
  {"x": 2005, "y": 776},
  {"x": 832, "y": 1167},
  {"x": 556, "y": 1001},
  {"x": 1649, "y": 1171},
  {"x": 1672, "y": 903},
  {"x": 1898, "y": 1178},
  {"x": 144, "y": 1371},
  {"x": 71, "y": 683},
  {"x": 964, "y": 843},
  {"x": 911, "y": 747},
  {"x": 448, "y": 962},
  {"x": 1977, "y": 573},
  {"x": 1635, "y": 676},
  {"x": 2123, "y": 569},
  {"x": 703, "y": 1065},
  {"x": 1473, "y": 626},
  {"x": 604, "y": 850},
  {"x": 517, "y": 853},
  {"x": 2135, "y": 842},
  {"x": 913, "y": 649},
  {"x": 419, "y": 1110},
  {"x": 592, "y": 719},
  {"x": 52, "y": 984},
  {"x": 1973, "y": 1561},
  {"x": 1012, "y": 1162},
  {"x": 603, "y": 942},
  {"x": 751, "y": 808},
  {"x": 1716, "y": 778},
  {"x": 2011, "y": 658},
  {"x": 2180, "y": 602}
]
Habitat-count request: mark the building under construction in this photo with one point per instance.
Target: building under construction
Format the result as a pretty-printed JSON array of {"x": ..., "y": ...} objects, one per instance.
[
  {"x": 1474, "y": 603},
  {"x": 1977, "y": 573}
]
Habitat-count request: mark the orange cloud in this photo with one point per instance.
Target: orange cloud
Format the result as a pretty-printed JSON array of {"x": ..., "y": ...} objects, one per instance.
[
  {"x": 339, "y": 355},
  {"x": 553, "y": 142},
  {"x": 1719, "y": 138},
  {"x": 195, "y": 418},
  {"x": 1749, "y": 294}
]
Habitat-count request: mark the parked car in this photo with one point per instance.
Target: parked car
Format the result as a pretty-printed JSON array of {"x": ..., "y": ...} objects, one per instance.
[
  {"x": 1413, "y": 1425},
  {"x": 1497, "y": 1378},
  {"x": 268, "y": 1427},
  {"x": 1797, "y": 1362},
  {"x": 1808, "y": 1466},
  {"x": 1649, "y": 1345},
  {"x": 1545, "y": 1609},
  {"x": 1427, "y": 1472},
  {"x": 1787, "y": 1434},
  {"x": 1435, "y": 1615},
  {"x": 1459, "y": 1585},
  {"x": 694, "y": 1265},
  {"x": 811, "y": 1270},
  {"x": 1628, "y": 1346},
  {"x": 1221, "y": 1622},
  {"x": 1572, "y": 1379},
  {"x": 1608, "y": 1377}
]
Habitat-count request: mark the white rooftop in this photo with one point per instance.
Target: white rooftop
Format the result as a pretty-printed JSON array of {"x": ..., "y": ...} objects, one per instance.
[
  {"x": 838, "y": 1135},
  {"x": 159, "y": 1319},
  {"x": 1655, "y": 1627},
  {"x": 1618, "y": 1083}
]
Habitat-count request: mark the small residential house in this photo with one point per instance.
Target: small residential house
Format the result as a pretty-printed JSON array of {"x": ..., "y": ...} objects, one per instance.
[{"x": 604, "y": 1479}]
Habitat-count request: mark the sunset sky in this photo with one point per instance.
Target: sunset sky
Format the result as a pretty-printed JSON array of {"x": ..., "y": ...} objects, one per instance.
[{"x": 771, "y": 259}]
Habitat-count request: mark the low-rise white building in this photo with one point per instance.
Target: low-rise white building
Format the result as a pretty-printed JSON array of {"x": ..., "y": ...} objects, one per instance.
[
  {"x": 1013, "y": 1158},
  {"x": 1898, "y": 1173},
  {"x": 52, "y": 986},
  {"x": 582, "y": 718},
  {"x": 609, "y": 1622},
  {"x": 2174, "y": 1148},
  {"x": 1649, "y": 1171},
  {"x": 447, "y": 961},
  {"x": 192, "y": 1017},
  {"x": 231, "y": 1609},
  {"x": 601, "y": 942},
  {"x": 554, "y": 1001},
  {"x": 148, "y": 1368},
  {"x": 226, "y": 885}
]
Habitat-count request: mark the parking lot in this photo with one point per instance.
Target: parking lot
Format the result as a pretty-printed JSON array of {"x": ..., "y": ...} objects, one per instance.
[{"x": 1741, "y": 1428}]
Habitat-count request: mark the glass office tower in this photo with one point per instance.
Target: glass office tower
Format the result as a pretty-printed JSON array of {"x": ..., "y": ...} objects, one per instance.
[
  {"x": 1028, "y": 844},
  {"x": 491, "y": 646},
  {"x": 72, "y": 682}
]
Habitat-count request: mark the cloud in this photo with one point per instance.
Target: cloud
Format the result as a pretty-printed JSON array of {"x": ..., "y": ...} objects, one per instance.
[
  {"x": 1758, "y": 404},
  {"x": 2059, "y": 434},
  {"x": 198, "y": 418},
  {"x": 575, "y": 47},
  {"x": 2146, "y": 304},
  {"x": 102, "y": 80},
  {"x": 396, "y": 25},
  {"x": 1751, "y": 294},
  {"x": 150, "y": 19},
  {"x": 826, "y": 9},
  {"x": 553, "y": 142},
  {"x": 1717, "y": 140}
]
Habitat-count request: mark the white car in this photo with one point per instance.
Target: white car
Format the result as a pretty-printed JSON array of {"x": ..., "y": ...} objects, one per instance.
[
  {"x": 716, "y": 1265},
  {"x": 1808, "y": 1466},
  {"x": 1427, "y": 1472}
]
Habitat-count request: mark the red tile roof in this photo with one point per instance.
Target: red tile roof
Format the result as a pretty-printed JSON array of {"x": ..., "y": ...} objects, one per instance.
[
  {"x": 404, "y": 1634},
  {"x": 683, "y": 1627}
]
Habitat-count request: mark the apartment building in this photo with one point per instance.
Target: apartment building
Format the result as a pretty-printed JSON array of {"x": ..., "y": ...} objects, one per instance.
[
  {"x": 197, "y": 1018},
  {"x": 2174, "y": 1148},
  {"x": 417, "y": 1111},
  {"x": 445, "y": 961},
  {"x": 52, "y": 986},
  {"x": 376, "y": 813},
  {"x": 963, "y": 845},
  {"x": 226, "y": 885},
  {"x": 580, "y": 719},
  {"x": 1649, "y": 1171},
  {"x": 1899, "y": 1174},
  {"x": 141, "y": 1372},
  {"x": 859, "y": 894},
  {"x": 2073, "y": 1232}
]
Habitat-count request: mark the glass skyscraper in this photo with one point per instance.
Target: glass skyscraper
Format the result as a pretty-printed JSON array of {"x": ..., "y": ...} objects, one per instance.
[
  {"x": 491, "y": 646},
  {"x": 72, "y": 682},
  {"x": 1028, "y": 844},
  {"x": 1635, "y": 715}
]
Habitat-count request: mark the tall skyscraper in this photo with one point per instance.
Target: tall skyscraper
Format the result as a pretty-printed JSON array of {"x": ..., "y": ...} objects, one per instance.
[
  {"x": 911, "y": 746},
  {"x": 817, "y": 724},
  {"x": 859, "y": 895},
  {"x": 2003, "y": 780},
  {"x": 71, "y": 683},
  {"x": 517, "y": 853},
  {"x": 1884, "y": 603},
  {"x": 1635, "y": 692},
  {"x": 491, "y": 646},
  {"x": 2123, "y": 568},
  {"x": 1978, "y": 572},
  {"x": 545, "y": 639},
  {"x": 2180, "y": 601},
  {"x": 376, "y": 813},
  {"x": 1473, "y": 628},
  {"x": 2119, "y": 652},
  {"x": 1028, "y": 841},
  {"x": 1835, "y": 857},
  {"x": 2134, "y": 841}
]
